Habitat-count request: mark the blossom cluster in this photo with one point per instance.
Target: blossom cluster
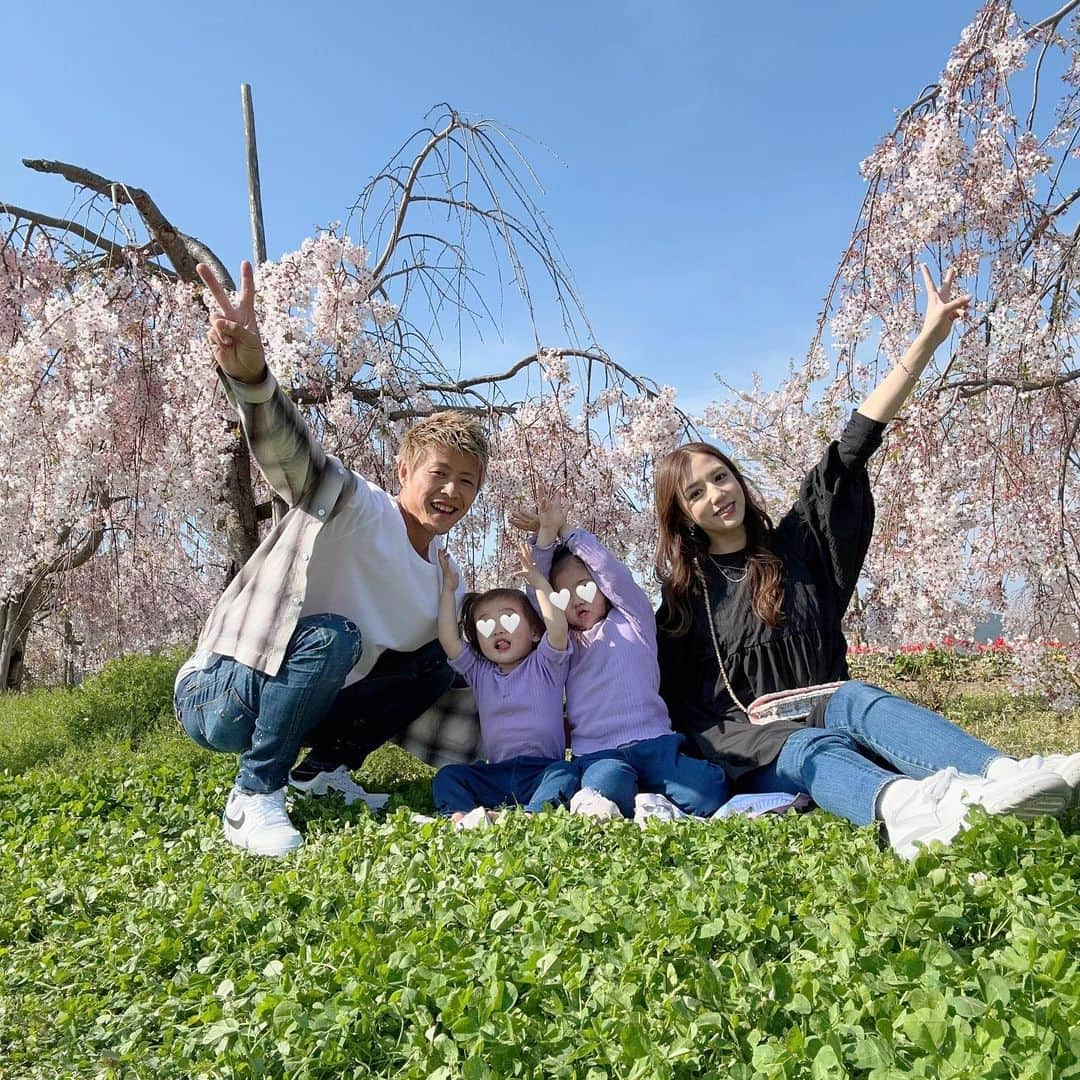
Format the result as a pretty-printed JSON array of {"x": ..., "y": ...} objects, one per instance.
[{"x": 977, "y": 488}]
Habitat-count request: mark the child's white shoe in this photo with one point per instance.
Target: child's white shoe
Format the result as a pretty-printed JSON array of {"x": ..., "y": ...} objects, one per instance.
[
  {"x": 477, "y": 818},
  {"x": 650, "y": 806},
  {"x": 590, "y": 803}
]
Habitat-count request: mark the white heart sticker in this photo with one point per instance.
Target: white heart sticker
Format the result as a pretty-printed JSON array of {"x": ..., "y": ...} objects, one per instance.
[
  {"x": 510, "y": 622},
  {"x": 486, "y": 626},
  {"x": 587, "y": 591},
  {"x": 560, "y": 599}
]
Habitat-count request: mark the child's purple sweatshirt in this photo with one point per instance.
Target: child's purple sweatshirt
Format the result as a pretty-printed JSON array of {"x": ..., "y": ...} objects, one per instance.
[
  {"x": 613, "y": 689},
  {"x": 521, "y": 711}
]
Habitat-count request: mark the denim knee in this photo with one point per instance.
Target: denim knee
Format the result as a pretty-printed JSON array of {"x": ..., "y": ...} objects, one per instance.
[
  {"x": 328, "y": 642},
  {"x": 607, "y": 773},
  {"x": 802, "y": 746},
  {"x": 850, "y": 702},
  {"x": 615, "y": 779}
]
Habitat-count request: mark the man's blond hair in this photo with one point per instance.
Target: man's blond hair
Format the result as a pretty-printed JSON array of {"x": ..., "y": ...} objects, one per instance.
[{"x": 453, "y": 428}]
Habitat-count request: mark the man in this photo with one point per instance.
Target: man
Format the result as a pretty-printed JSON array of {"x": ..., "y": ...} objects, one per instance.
[{"x": 326, "y": 635}]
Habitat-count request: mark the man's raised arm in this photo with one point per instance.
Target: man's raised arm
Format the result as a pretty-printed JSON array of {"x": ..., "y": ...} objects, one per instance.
[{"x": 287, "y": 453}]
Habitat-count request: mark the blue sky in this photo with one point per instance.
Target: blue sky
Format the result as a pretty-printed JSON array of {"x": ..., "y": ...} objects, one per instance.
[{"x": 707, "y": 172}]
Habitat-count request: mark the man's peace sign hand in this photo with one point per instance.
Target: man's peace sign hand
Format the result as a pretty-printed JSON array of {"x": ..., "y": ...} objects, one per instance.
[{"x": 234, "y": 333}]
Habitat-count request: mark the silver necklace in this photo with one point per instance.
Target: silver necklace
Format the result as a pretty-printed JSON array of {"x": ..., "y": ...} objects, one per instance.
[{"x": 732, "y": 578}]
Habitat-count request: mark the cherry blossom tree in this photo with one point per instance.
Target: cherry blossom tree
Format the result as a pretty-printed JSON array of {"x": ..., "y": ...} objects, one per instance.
[
  {"x": 978, "y": 487},
  {"x": 129, "y": 497}
]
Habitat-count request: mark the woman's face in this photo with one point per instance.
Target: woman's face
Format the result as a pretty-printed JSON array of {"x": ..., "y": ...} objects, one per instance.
[
  {"x": 505, "y": 635},
  {"x": 714, "y": 501},
  {"x": 585, "y": 611}
]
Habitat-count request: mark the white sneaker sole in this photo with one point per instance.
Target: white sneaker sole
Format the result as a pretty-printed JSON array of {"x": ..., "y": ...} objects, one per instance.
[
  {"x": 315, "y": 786},
  {"x": 321, "y": 784},
  {"x": 1037, "y": 795},
  {"x": 247, "y": 842}
]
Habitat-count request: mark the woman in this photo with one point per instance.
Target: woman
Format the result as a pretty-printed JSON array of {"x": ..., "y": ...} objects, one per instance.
[{"x": 751, "y": 609}]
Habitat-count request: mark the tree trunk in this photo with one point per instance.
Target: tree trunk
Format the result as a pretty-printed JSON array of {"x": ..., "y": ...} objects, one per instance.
[
  {"x": 238, "y": 505},
  {"x": 16, "y": 615}
]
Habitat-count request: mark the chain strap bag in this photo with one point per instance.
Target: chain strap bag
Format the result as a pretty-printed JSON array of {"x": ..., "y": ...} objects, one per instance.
[{"x": 768, "y": 708}]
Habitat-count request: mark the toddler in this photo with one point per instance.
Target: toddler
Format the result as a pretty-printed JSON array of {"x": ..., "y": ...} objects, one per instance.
[{"x": 516, "y": 663}]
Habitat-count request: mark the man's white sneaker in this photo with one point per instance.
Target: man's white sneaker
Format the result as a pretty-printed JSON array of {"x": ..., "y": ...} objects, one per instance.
[
  {"x": 939, "y": 804},
  {"x": 590, "y": 803},
  {"x": 339, "y": 779},
  {"x": 1067, "y": 766},
  {"x": 654, "y": 807},
  {"x": 259, "y": 823}
]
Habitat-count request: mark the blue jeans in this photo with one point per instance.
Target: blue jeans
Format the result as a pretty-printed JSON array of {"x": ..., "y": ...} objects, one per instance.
[
  {"x": 658, "y": 765},
  {"x": 834, "y": 764},
  {"x": 235, "y": 709},
  {"x": 532, "y": 782}
]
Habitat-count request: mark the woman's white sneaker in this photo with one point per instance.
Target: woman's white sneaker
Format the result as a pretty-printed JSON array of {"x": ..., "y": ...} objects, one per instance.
[
  {"x": 259, "y": 823},
  {"x": 939, "y": 804},
  {"x": 1067, "y": 766}
]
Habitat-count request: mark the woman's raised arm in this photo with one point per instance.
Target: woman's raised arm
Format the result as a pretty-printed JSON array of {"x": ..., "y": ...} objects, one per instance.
[{"x": 887, "y": 398}]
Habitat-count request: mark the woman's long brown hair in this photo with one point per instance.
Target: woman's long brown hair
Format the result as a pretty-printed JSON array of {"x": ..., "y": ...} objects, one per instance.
[{"x": 681, "y": 545}]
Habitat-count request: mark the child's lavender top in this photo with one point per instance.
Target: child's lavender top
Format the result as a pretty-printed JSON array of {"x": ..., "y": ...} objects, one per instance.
[
  {"x": 613, "y": 690},
  {"x": 521, "y": 711}
]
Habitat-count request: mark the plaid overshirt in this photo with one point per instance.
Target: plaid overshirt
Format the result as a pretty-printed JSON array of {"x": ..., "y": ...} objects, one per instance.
[{"x": 256, "y": 615}]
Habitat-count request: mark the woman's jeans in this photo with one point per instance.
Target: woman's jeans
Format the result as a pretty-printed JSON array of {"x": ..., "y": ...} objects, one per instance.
[
  {"x": 695, "y": 786},
  {"x": 833, "y": 765},
  {"x": 532, "y": 782},
  {"x": 236, "y": 709}
]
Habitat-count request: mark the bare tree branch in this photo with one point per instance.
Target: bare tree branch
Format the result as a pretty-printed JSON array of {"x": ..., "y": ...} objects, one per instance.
[
  {"x": 183, "y": 251},
  {"x": 971, "y": 387},
  {"x": 115, "y": 252},
  {"x": 1051, "y": 21}
]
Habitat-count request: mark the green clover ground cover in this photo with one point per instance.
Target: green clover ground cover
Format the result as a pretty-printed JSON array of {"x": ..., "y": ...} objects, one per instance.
[{"x": 134, "y": 943}]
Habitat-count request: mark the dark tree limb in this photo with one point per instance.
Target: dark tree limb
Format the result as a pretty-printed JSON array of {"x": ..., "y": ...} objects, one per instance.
[
  {"x": 115, "y": 252},
  {"x": 971, "y": 387},
  {"x": 182, "y": 251}
]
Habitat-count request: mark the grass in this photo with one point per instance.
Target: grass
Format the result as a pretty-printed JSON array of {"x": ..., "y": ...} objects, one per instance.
[{"x": 134, "y": 943}]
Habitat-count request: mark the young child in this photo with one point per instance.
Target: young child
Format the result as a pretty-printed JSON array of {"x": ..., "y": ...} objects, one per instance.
[
  {"x": 516, "y": 664},
  {"x": 621, "y": 735}
]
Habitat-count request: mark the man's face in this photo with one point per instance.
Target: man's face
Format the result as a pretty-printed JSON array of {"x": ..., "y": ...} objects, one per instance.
[{"x": 439, "y": 487}]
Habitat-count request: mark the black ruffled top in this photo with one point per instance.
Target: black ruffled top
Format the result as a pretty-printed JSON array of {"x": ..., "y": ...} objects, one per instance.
[{"x": 822, "y": 542}]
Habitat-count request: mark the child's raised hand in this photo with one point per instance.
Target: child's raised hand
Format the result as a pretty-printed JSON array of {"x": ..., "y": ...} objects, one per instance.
[
  {"x": 528, "y": 569},
  {"x": 525, "y": 520},
  {"x": 450, "y": 577},
  {"x": 553, "y": 511}
]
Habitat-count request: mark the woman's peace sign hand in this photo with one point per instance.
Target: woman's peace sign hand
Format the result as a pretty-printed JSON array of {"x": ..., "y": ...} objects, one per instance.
[
  {"x": 234, "y": 333},
  {"x": 941, "y": 309}
]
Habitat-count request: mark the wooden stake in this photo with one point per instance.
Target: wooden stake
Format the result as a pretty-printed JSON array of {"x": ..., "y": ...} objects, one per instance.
[{"x": 258, "y": 236}]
